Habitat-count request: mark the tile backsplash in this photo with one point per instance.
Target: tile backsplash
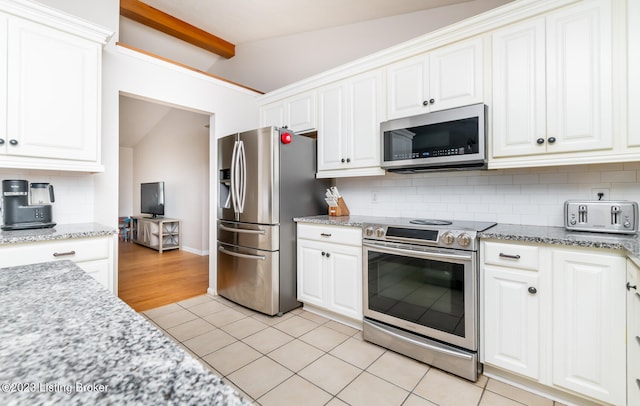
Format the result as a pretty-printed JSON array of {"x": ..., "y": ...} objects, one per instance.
[
  {"x": 532, "y": 196},
  {"x": 73, "y": 193}
]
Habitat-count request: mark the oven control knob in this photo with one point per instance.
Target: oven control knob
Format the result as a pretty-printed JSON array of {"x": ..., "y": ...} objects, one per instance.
[
  {"x": 464, "y": 240},
  {"x": 379, "y": 232},
  {"x": 448, "y": 238},
  {"x": 368, "y": 231}
]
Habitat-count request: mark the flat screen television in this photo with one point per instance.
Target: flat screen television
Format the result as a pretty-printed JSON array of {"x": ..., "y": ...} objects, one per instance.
[{"x": 152, "y": 198}]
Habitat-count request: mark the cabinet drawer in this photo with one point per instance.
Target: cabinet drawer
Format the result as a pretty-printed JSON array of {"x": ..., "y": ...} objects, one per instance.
[
  {"x": 333, "y": 234},
  {"x": 76, "y": 250},
  {"x": 511, "y": 255}
]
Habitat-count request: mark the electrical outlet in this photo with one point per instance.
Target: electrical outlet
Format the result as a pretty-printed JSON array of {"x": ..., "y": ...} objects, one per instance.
[
  {"x": 374, "y": 197},
  {"x": 600, "y": 194}
]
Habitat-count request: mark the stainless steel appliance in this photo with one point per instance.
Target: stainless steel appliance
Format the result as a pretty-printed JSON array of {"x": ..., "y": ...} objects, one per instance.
[
  {"x": 17, "y": 213},
  {"x": 447, "y": 139},
  {"x": 604, "y": 216},
  {"x": 266, "y": 178},
  {"x": 421, "y": 291}
]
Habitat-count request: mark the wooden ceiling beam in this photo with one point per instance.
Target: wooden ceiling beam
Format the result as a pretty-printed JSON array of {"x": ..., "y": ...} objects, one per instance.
[{"x": 163, "y": 22}]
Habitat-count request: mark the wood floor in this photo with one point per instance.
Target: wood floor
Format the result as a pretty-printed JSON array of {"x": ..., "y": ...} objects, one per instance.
[{"x": 148, "y": 279}]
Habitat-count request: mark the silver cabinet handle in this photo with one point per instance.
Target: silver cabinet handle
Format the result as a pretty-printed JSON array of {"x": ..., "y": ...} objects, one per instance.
[
  {"x": 510, "y": 256},
  {"x": 241, "y": 230},
  {"x": 64, "y": 254},
  {"x": 237, "y": 254}
]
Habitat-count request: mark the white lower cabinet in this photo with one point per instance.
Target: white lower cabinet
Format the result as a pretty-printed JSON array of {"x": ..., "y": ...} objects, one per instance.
[
  {"x": 330, "y": 269},
  {"x": 556, "y": 316},
  {"x": 633, "y": 334},
  {"x": 93, "y": 254}
]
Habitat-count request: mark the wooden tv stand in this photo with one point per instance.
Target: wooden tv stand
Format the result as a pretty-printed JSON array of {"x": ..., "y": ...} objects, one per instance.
[{"x": 159, "y": 233}]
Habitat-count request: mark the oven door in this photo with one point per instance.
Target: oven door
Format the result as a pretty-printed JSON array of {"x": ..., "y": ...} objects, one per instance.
[{"x": 425, "y": 290}]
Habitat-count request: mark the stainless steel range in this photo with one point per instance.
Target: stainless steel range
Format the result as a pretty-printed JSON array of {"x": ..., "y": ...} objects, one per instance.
[{"x": 421, "y": 290}]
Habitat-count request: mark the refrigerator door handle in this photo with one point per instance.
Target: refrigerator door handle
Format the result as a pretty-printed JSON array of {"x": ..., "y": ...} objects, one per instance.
[
  {"x": 239, "y": 255},
  {"x": 233, "y": 178},
  {"x": 240, "y": 230},
  {"x": 242, "y": 186}
]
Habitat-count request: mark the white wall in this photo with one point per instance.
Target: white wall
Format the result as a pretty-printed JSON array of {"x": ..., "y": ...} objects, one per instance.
[
  {"x": 125, "y": 180},
  {"x": 273, "y": 63},
  {"x": 511, "y": 196},
  {"x": 176, "y": 152},
  {"x": 126, "y": 72}
]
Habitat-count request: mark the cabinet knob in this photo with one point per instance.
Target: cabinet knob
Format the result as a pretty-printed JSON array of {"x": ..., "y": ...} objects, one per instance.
[
  {"x": 425, "y": 103},
  {"x": 552, "y": 140},
  {"x": 432, "y": 101},
  {"x": 324, "y": 253},
  {"x": 328, "y": 255},
  {"x": 13, "y": 142},
  {"x": 1, "y": 141},
  {"x": 532, "y": 290},
  {"x": 348, "y": 160},
  {"x": 342, "y": 160},
  {"x": 630, "y": 286},
  {"x": 540, "y": 140}
]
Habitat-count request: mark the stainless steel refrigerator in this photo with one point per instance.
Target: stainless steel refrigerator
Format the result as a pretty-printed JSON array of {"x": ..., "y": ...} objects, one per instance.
[{"x": 266, "y": 178}]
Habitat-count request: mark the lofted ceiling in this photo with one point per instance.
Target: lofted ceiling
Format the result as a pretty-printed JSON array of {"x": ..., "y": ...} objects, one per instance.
[{"x": 240, "y": 22}]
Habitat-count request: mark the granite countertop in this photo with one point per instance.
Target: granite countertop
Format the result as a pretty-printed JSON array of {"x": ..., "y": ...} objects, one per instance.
[
  {"x": 513, "y": 232},
  {"x": 66, "y": 340},
  {"x": 58, "y": 232}
]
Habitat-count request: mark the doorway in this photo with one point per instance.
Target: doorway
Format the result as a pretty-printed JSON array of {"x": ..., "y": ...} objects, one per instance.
[{"x": 170, "y": 144}]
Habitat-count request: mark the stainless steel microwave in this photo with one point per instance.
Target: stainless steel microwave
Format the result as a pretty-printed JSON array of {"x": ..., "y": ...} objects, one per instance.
[{"x": 447, "y": 139}]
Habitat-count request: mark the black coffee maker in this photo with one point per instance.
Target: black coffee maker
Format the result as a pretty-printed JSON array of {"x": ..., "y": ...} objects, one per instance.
[{"x": 17, "y": 213}]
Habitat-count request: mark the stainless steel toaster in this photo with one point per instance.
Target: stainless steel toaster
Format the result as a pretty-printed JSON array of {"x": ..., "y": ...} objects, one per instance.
[{"x": 603, "y": 216}]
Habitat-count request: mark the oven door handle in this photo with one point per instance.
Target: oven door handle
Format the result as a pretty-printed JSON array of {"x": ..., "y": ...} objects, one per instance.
[{"x": 419, "y": 254}]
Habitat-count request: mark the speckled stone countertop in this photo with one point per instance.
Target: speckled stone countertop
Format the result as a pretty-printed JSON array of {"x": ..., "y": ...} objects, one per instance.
[
  {"x": 513, "y": 232},
  {"x": 58, "y": 232},
  {"x": 65, "y": 340}
]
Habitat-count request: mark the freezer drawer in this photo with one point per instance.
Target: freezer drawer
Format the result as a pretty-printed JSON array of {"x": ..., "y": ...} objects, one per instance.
[
  {"x": 249, "y": 277},
  {"x": 258, "y": 236}
]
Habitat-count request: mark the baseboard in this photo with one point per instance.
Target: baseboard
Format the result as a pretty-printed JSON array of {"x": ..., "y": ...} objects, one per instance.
[{"x": 195, "y": 251}]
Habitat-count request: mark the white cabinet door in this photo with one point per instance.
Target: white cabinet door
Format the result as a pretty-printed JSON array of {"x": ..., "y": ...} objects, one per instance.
[
  {"x": 349, "y": 115},
  {"x": 408, "y": 87},
  {"x": 512, "y": 320},
  {"x": 332, "y": 153},
  {"x": 633, "y": 53},
  {"x": 53, "y": 93},
  {"x": 345, "y": 280},
  {"x": 298, "y": 113},
  {"x": 579, "y": 83},
  {"x": 446, "y": 78},
  {"x": 633, "y": 334},
  {"x": 311, "y": 264},
  {"x": 519, "y": 95},
  {"x": 588, "y": 320},
  {"x": 273, "y": 115},
  {"x": 4, "y": 140},
  {"x": 302, "y": 112},
  {"x": 364, "y": 116},
  {"x": 455, "y": 75}
]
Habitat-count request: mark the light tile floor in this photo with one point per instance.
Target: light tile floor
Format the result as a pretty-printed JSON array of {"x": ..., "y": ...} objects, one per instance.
[{"x": 305, "y": 359}]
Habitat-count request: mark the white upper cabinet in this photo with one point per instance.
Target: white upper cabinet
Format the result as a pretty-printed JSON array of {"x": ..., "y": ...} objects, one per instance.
[
  {"x": 552, "y": 84},
  {"x": 52, "y": 97},
  {"x": 447, "y": 77},
  {"x": 349, "y": 116},
  {"x": 633, "y": 67},
  {"x": 298, "y": 113}
]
